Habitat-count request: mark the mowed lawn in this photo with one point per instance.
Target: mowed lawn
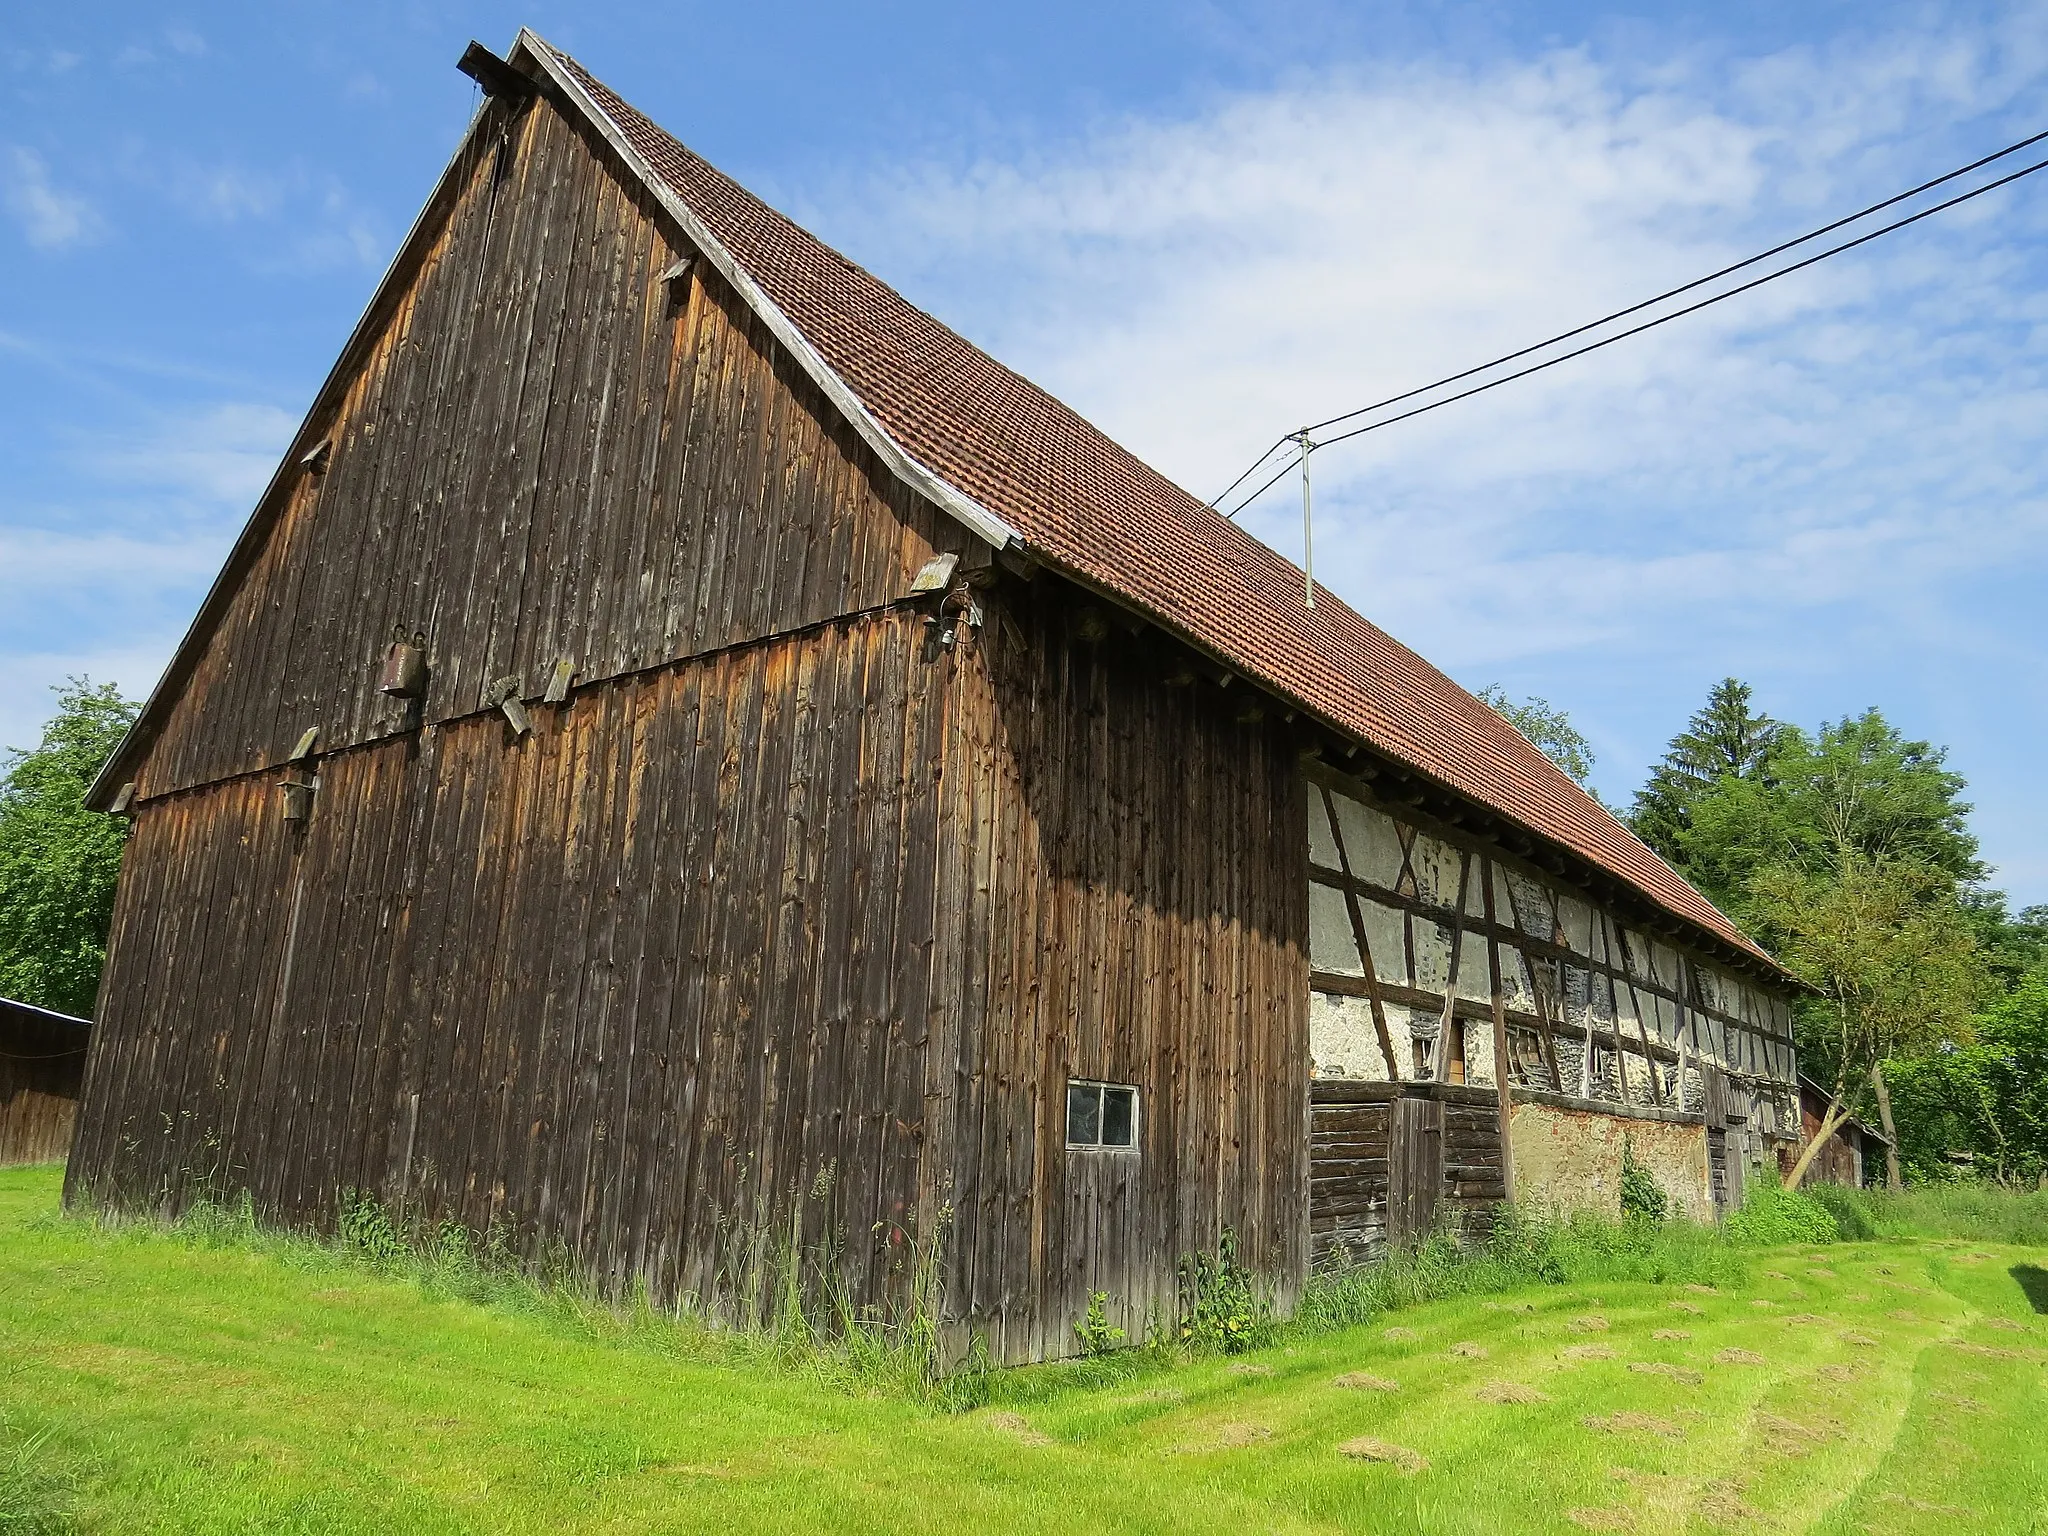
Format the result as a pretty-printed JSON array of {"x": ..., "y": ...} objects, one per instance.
[{"x": 1853, "y": 1388}]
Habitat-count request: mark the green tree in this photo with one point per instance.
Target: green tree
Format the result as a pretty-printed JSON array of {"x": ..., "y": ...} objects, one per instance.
[
  {"x": 58, "y": 860},
  {"x": 1892, "y": 960},
  {"x": 1725, "y": 739},
  {"x": 1854, "y": 786},
  {"x": 2015, "y": 946},
  {"x": 1548, "y": 728},
  {"x": 1987, "y": 1098}
]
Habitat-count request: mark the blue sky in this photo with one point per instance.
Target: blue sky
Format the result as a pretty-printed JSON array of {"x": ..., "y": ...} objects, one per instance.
[{"x": 1200, "y": 225}]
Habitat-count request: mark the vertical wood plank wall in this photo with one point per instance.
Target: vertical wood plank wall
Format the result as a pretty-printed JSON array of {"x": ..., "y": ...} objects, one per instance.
[
  {"x": 548, "y": 454},
  {"x": 42, "y": 1061},
  {"x": 786, "y": 915},
  {"x": 650, "y": 983},
  {"x": 1125, "y": 900}
]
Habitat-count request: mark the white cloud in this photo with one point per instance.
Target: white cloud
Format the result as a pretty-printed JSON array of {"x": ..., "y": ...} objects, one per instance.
[
  {"x": 1836, "y": 486},
  {"x": 26, "y": 700},
  {"x": 219, "y": 457},
  {"x": 49, "y": 217},
  {"x": 1199, "y": 286}
]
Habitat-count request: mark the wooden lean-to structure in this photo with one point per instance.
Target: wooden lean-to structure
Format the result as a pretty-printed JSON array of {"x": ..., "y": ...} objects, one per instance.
[
  {"x": 42, "y": 1063},
  {"x": 692, "y": 762}
]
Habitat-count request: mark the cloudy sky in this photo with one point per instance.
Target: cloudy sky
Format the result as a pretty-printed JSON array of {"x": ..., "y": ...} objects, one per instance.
[{"x": 1200, "y": 225}]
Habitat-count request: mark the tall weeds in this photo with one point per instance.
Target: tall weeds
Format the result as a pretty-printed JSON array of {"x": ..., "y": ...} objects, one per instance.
[{"x": 35, "y": 1487}]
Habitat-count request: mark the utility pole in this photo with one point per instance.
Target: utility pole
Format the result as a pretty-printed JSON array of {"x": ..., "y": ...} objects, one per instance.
[{"x": 1308, "y": 533}]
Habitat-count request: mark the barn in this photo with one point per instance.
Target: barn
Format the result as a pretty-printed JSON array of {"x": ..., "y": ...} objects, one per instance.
[{"x": 694, "y": 765}]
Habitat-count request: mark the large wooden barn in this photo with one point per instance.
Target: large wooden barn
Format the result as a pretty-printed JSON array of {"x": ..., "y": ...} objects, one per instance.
[{"x": 690, "y": 756}]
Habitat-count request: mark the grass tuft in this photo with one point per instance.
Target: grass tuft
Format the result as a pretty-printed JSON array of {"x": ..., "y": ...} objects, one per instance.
[{"x": 36, "y": 1492}]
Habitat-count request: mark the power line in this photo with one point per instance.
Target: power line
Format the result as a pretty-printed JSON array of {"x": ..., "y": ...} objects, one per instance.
[
  {"x": 1637, "y": 308},
  {"x": 1650, "y": 325}
]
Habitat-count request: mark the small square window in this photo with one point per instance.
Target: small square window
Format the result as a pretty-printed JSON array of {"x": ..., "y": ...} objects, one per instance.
[{"x": 1101, "y": 1114}]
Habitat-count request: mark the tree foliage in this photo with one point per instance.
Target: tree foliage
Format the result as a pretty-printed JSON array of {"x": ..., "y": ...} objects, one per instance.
[
  {"x": 1846, "y": 851},
  {"x": 1726, "y": 739},
  {"x": 58, "y": 860},
  {"x": 1548, "y": 728},
  {"x": 1806, "y": 800},
  {"x": 1985, "y": 1099}
]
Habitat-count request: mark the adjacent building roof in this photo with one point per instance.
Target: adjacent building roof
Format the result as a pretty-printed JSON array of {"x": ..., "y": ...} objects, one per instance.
[{"x": 1084, "y": 505}]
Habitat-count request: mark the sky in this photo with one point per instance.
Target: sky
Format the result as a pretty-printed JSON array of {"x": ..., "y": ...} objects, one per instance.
[{"x": 1200, "y": 225}]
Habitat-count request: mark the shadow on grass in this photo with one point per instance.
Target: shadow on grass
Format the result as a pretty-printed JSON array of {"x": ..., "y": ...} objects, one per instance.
[{"x": 2034, "y": 1281}]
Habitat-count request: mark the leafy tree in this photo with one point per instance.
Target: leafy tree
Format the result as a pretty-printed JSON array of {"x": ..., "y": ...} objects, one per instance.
[
  {"x": 1725, "y": 739},
  {"x": 2015, "y": 947},
  {"x": 1987, "y": 1097},
  {"x": 1891, "y": 957},
  {"x": 1855, "y": 786},
  {"x": 1548, "y": 728},
  {"x": 58, "y": 860}
]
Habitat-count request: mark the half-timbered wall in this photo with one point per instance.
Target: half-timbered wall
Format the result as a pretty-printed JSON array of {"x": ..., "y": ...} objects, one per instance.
[
  {"x": 1400, "y": 915},
  {"x": 1124, "y": 902}
]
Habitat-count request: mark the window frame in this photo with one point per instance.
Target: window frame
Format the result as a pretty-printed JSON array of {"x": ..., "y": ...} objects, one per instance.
[{"x": 1102, "y": 1087}]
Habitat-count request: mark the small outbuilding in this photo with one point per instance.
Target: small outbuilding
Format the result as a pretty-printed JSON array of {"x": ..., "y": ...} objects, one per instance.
[
  {"x": 1852, "y": 1154},
  {"x": 42, "y": 1064}
]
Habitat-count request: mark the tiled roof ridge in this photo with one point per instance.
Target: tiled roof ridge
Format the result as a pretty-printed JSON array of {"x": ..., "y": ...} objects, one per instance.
[{"x": 1096, "y": 509}]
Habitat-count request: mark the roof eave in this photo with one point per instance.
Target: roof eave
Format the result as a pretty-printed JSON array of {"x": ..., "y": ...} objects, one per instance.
[
  {"x": 1704, "y": 937},
  {"x": 978, "y": 519}
]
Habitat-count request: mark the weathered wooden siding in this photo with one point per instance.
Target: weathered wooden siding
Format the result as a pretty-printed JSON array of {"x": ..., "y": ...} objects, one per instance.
[
  {"x": 1124, "y": 900},
  {"x": 648, "y": 982},
  {"x": 548, "y": 454},
  {"x": 42, "y": 1060},
  {"x": 1390, "y": 1163}
]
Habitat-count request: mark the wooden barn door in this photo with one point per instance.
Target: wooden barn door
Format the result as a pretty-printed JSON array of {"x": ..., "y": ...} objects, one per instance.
[
  {"x": 1415, "y": 1171},
  {"x": 1714, "y": 1090}
]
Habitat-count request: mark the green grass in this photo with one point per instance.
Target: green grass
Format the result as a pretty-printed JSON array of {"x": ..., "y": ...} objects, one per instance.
[{"x": 223, "y": 1381}]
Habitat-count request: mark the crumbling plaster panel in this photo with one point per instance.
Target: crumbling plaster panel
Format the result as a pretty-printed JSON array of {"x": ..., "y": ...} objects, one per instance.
[{"x": 1571, "y": 1159}]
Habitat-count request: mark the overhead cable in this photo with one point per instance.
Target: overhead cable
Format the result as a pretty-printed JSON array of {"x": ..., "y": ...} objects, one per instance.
[{"x": 1637, "y": 308}]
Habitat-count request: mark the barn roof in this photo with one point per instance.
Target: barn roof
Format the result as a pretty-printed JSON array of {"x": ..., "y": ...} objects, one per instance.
[
  {"x": 1086, "y": 506},
  {"x": 1023, "y": 470}
]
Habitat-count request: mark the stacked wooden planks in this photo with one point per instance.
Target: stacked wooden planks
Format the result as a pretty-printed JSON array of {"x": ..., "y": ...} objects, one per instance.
[{"x": 1390, "y": 1163}]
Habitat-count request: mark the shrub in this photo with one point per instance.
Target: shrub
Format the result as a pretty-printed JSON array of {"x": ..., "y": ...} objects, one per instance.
[
  {"x": 1098, "y": 1335},
  {"x": 1221, "y": 1306},
  {"x": 1772, "y": 1216},
  {"x": 1849, "y": 1210},
  {"x": 1642, "y": 1197}
]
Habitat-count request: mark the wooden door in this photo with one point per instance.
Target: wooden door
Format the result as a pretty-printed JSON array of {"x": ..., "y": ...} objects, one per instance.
[{"x": 1415, "y": 1172}]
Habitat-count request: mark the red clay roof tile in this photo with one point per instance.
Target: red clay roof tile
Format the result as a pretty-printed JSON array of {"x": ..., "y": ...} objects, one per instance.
[{"x": 1081, "y": 502}]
